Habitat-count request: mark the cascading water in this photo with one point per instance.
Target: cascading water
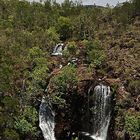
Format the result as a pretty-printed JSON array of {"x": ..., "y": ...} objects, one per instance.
[
  {"x": 46, "y": 115},
  {"x": 58, "y": 49},
  {"x": 46, "y": 120},
  {"x": 101, "y": 111}
]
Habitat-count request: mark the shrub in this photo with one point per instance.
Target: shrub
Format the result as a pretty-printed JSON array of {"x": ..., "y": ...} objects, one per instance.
[
  {"x": 96, "y": 57},
  {"x": 66, "y": 79},
  {"x": 134, "y": 87},
  {"x": 132, "y": 124},
  {"x": 63, "y": 82},
  {"x": 64, "y": 27},
  {"x": 66, "y": 54},
  {"x": 10, "y": 134},
  {"x": 24, "y": 126},
  {"x": 39, "y": 72},
  {"x": 95, "y": 53},
  {"x": 70, "y": 50},
  {"x": 90, "y": 45},
  {"x": 71, "y": 46},
  {"x": 10, "y": 104},
  {"x": 26, "y": 123}
]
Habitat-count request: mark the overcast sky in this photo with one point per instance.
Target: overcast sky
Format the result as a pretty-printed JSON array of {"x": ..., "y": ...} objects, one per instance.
[{"x": 97, "y": 2}]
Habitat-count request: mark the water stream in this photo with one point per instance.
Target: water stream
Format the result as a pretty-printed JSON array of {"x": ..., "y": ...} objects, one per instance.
[
  {"x": 58, "y": 49},
  {"x": 46, "y": 120}
]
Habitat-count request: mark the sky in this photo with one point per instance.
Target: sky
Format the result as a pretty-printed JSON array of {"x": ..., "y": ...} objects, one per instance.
[{"x": 97, "y": 2}]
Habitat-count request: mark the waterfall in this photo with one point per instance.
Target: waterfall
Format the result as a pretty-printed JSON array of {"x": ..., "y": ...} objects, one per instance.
[
  {"x": 46, "y": 120},
  {"x": 99, "y": 114},
  {"x": 101, "y": 111},
  {"x": 58, "y": 49},
  {"x": 46, "y": 115}
]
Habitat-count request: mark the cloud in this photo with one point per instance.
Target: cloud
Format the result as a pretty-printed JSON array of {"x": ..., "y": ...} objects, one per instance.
[{"x": 97, "y": 2}]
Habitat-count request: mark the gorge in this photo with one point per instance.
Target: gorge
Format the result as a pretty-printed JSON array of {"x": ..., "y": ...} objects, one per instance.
[
  {"x": 98, "y": 110},
  {"x": 99, "y": 118}
]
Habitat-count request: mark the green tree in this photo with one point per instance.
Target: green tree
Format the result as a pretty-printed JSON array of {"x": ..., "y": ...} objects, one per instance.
[
  {"x": 71, "y": 49},
  {"x": 38, "y": 74},
  {"x": 95, "y": 53},
  {"x": 53, "y": 37},
  {"x": 137, "y": 6},
  {"x": 64, "y": 27},
  {"x": 26, "y": 123},
  {"x": 63, "y": 83},
  {"x": 66, "y": 79}
]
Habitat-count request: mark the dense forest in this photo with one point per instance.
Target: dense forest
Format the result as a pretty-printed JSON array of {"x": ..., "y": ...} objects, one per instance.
[{"x": 104, "y": 40}]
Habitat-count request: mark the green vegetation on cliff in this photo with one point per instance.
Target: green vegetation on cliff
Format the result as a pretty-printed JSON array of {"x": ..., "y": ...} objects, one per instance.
[{"x": 132, "y": 124}]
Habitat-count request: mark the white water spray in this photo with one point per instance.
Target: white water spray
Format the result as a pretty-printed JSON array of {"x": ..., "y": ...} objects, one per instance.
[
  {"x": 46, "y": 120},
  {"x": 102, "y": 96},
  {"x": 58, "y": 49},
  {"x": 101, "y": 112}
]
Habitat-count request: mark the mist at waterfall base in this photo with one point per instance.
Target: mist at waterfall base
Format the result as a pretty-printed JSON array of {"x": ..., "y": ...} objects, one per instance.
[{"x": 100, "y": 117}]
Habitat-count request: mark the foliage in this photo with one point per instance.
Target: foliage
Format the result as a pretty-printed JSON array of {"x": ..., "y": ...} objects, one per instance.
[
  {"x": 95, "y": 53},
  {"x": 63, "y": 83},
  {"x": 96, "y": 57},
  {"x": 10, "y": 134},
  {"x": 132, "y": 124},
  {"x": 9, "y": 109},
  {"x": 137, "y": 6},
  {"x": 134, "y": 87},
  {"x": 66, "y": 79},
  {"x": 26, "y": 123},
  {"x": 71, "y": 49},
  {"x": 57, "y": 99},
  {"x": 64, "y": 27},
  {"x": 38, "y": 60},
  {"x": 10, "y": 104},
  {"x": 53, "y": 36}
]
